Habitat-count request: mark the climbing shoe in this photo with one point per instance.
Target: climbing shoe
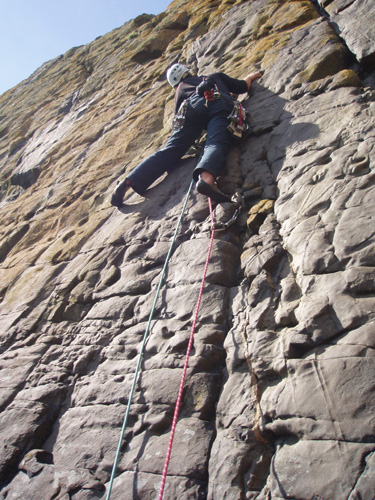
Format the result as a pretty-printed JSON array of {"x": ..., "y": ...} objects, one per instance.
[
  {"x": 119, "y": 193},
  {"x": 212, "y": 191}
]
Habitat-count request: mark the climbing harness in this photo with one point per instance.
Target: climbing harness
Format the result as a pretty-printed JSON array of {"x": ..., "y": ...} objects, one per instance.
[
  {"x": 145, "y": 338},
  {"x": 211, "y": 95},
  {"x": 237, "y": 119},
  {"x": 182, "y": 382},
  {"x": 208, "y": 89}
]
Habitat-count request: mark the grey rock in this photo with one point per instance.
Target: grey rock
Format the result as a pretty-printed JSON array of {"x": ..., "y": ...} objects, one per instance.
[{"x": 355, "y": 23}]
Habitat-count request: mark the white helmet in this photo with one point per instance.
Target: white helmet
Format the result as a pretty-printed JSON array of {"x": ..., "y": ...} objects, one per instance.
[{"x": 175, "y": 74}]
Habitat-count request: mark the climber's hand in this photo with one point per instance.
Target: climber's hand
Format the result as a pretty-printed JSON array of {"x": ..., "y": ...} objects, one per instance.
[{"x": 250, "y": 78}]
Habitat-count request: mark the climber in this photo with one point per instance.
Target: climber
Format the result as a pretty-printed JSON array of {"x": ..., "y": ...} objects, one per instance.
[{"x": 201, "y": 103}]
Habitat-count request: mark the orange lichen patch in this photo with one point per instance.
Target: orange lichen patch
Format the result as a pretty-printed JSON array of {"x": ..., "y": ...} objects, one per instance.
[
  {"x": 261, "y": 53},
  {"x": 292, "y": 14},
  {"x": 270, "y": 32},
  {"x": 108, "y": 84},
  {"x": 344, "y": 78},
  {"x": 331, "y": 60},
  {"x": 155, "y": 45},
  {"x": 258, "y": 214}
]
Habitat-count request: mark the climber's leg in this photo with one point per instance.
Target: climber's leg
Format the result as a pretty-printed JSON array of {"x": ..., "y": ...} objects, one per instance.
[
  {"x": 166, "y": 159},
  {"x": 218, "y": 142}
]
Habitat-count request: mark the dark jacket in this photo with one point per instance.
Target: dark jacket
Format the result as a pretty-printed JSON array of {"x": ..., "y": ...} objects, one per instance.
[{"x": 225, "y": 84}]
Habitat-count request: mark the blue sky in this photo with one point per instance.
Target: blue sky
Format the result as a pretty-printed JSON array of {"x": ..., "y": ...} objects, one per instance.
[{"x": 35, "y": 31}]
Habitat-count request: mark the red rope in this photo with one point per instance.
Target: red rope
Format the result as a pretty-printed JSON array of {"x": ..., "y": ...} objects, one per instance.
[{"x": 179, "y": 397}]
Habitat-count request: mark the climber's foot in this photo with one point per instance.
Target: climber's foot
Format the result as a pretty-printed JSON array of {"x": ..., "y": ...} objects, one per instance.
[
  {"x": 119, "y": 193},
  {"x": 212, "y": 191}
]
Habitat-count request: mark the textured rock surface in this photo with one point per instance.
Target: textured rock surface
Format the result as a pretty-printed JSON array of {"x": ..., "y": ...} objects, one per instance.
[
  {"x": 354, "y": 20},
  {"x": 279, "y": 399}
]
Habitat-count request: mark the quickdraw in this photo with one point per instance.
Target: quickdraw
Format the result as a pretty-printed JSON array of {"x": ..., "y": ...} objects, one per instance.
[
  {"x": 238, "y": 203},
  {"x": 237, "y": 119},
  {"x": 179, "y": 117},
  {"x": 238, "y": 199}
]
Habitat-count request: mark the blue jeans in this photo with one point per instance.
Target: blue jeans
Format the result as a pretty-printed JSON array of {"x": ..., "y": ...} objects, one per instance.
[{"x": 214, "y": 119}]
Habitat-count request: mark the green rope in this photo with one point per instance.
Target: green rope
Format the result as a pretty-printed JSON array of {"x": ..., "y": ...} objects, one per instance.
[{"x": 145, "y": 338}]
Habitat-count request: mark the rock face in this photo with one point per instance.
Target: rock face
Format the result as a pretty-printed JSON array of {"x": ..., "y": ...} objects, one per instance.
[{"x": 279, "y": 398}]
